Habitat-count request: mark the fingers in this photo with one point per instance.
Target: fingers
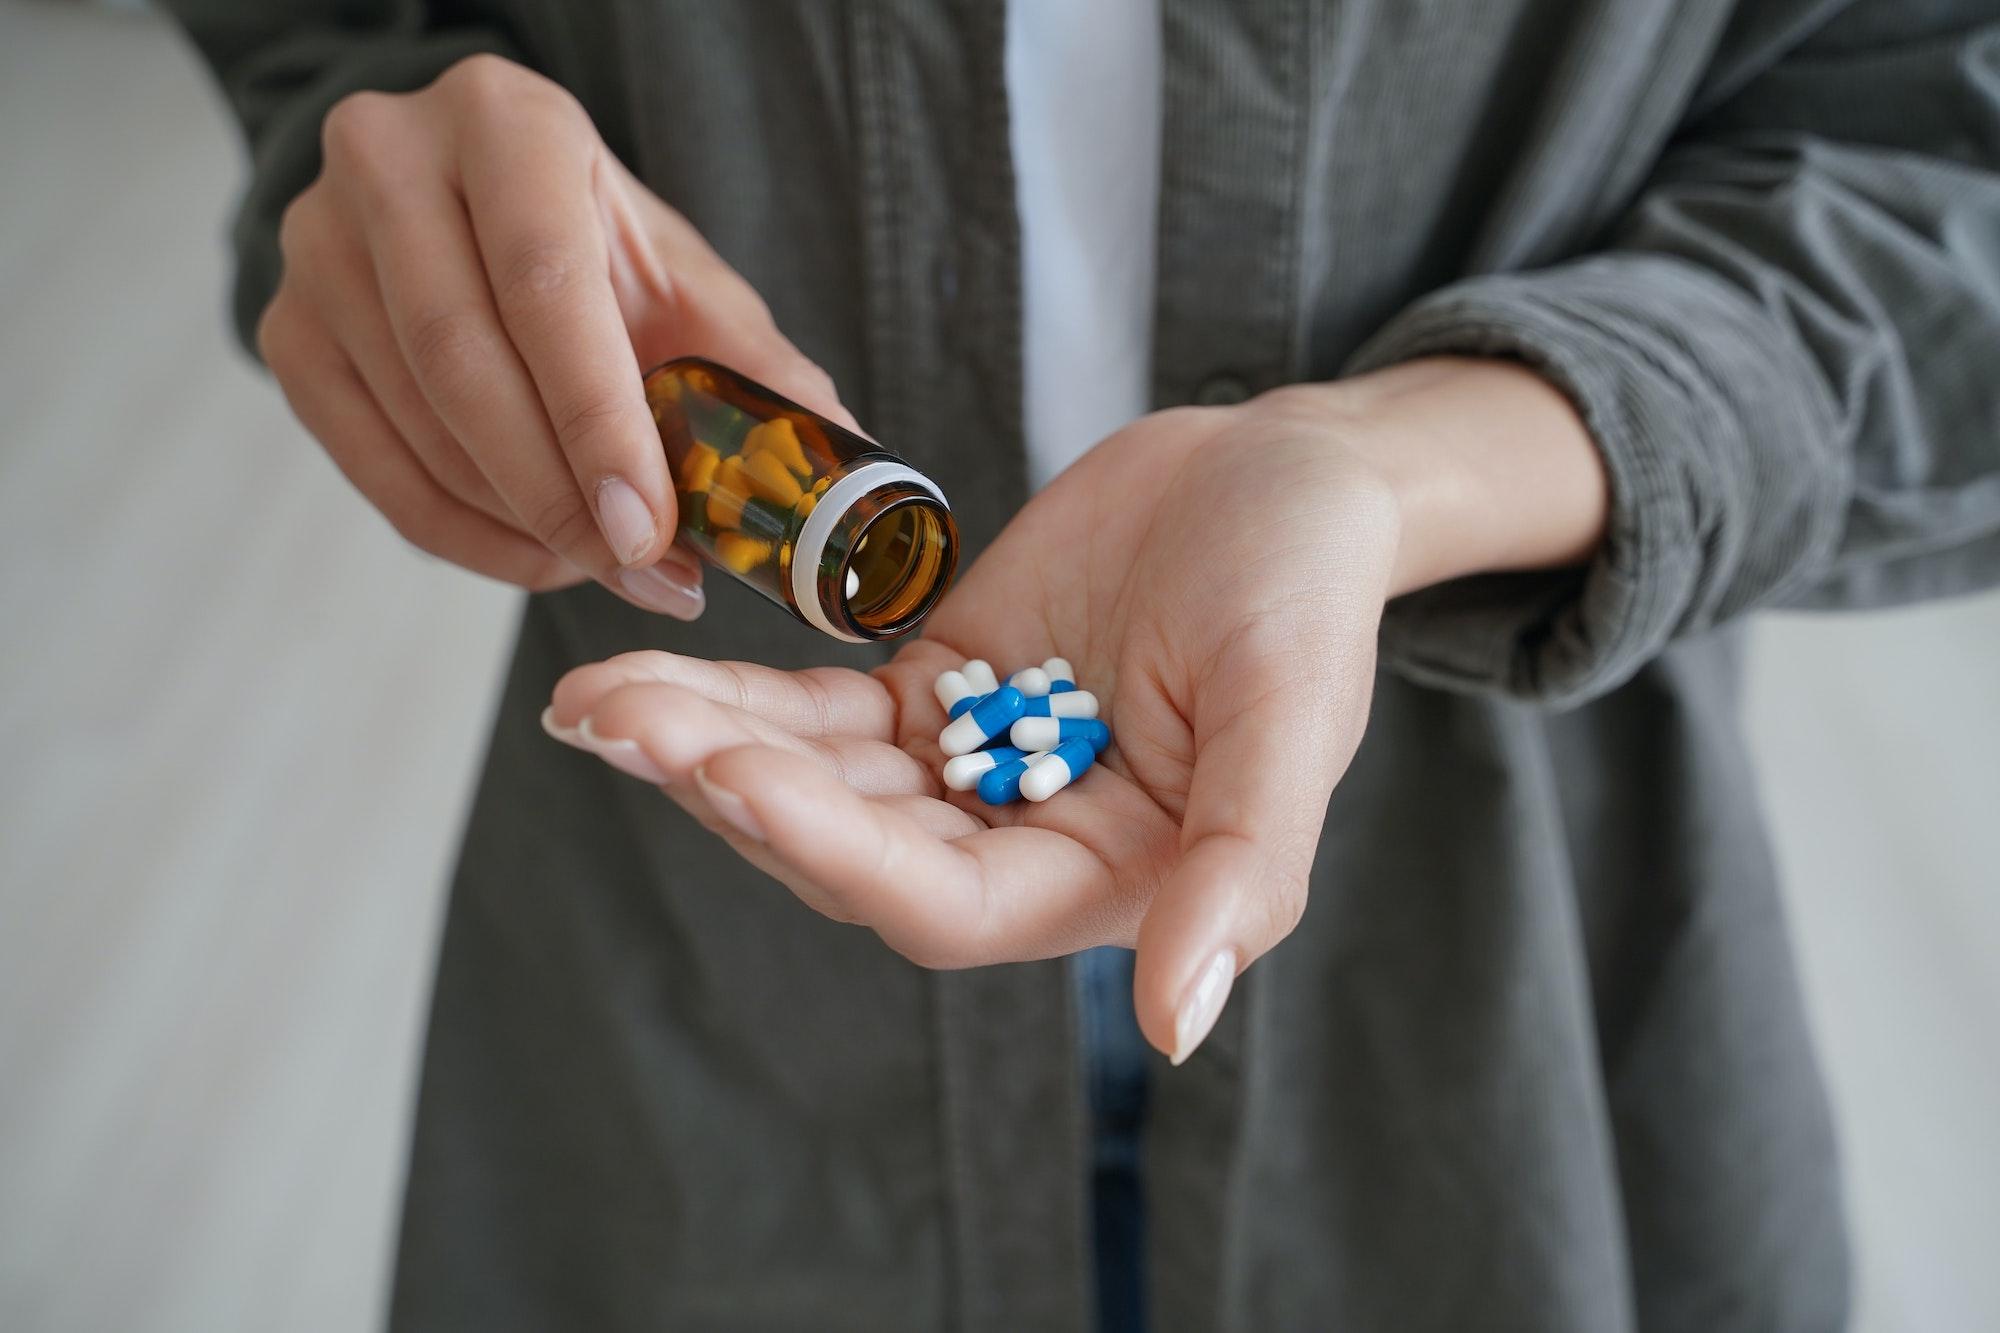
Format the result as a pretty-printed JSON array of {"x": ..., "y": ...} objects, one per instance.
[
  {"x": 678, "y": 730},
  {"x": 821, "y": 702},
  {"x": 937, "y": 885},
  {"x": 678, "y": 297},
  {"x": 329, "y": 399},
  {"x": 1264, "y": 770},
  {"x": 341, "y": 267},
  {"x": 528, "y": 177}
]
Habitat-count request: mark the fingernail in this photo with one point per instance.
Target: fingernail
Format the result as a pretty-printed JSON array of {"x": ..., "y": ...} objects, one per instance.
[
  {"x": 567, "y": 735},
  {"x": 730, "y": 806},
  {"x": 1203, "y": 1004},
  {"x": 665, "y": 588},
  {"x": 625, "y": 520},
  {"x": 623, "y": 755}
]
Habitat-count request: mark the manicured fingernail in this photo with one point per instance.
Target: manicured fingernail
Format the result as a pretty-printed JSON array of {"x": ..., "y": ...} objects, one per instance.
[
  {"x": 1203, "y": 1004},
  {"x": 567, "y": 735},
  {"x": 666, "y": 588},
  {"x": 625, "y": 520},
  {"x": 730, "y": 806},
  {"x": 623, "y": 755}
]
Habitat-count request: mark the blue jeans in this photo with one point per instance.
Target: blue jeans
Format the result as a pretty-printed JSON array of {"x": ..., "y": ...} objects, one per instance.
[{"x": 1114, "y": 1072}]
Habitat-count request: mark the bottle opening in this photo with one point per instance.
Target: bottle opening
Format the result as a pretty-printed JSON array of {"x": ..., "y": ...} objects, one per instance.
[{"x": 898, "y": 567}]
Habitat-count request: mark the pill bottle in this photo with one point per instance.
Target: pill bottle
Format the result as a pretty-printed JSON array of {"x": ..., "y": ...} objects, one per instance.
[{"x": 824, "y": 522}]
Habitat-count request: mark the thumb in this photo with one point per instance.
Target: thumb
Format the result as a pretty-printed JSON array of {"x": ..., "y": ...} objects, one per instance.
[{"x": 1263, "y": 773}]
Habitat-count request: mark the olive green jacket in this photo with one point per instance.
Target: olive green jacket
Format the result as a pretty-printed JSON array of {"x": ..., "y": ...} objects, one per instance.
[{"x": 1535, "y": 1058}]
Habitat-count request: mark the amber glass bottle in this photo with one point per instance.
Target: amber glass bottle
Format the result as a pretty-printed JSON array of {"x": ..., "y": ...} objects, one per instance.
[{"x": 827, "y": 524}]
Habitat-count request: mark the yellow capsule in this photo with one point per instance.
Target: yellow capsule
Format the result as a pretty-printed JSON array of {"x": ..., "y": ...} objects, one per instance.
[
  {"x": 819, "y": 487},
  {"x": 727, "y": 492},
  {"x": 698, "y": 468},
  {"x": 663, "y": 388},
  {"x": 741, "y": 553},
  {"x": 806, "y": 503},
  {"x": 769, "y": 480},
  {"x": 779, "y": 438}
]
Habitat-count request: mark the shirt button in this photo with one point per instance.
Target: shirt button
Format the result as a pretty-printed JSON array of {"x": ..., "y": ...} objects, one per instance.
[{"x": 1221, "y": 391}]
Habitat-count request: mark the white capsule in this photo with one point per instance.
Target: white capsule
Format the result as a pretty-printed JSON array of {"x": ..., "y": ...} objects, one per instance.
[
  {"x": 964, "y": 772},
  {"x": 1051, "y": 772},
  {"x": 980, "y": 676},
  {"x": 1071, "y": 703},
  {"x": 1033, "y": 682},
  {"x": 1041, "y": 734},
  {"x": 952, "y": 689},
  {"x": 1060, "y": 671},
  {"x": 853, "y": 584}
]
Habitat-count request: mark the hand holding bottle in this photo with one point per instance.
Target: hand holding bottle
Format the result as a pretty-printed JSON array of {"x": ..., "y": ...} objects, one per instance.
[
  {"x": 471, "y": 289},
  {"x": 1217, "y": 577}
]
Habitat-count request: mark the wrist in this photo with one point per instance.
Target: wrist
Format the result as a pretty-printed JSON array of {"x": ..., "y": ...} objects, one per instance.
[{"x": 1488, "y": 465}]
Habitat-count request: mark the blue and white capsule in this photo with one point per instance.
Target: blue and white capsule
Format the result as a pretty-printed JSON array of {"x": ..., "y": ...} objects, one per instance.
[
  {"x": 990, "y": 717},
  {"x": 1032, "y": 682},
  {"x": 1075, "y": 703},
  {"x": 1001, "y": 784},
  {"x": 1049, "y": 773},
  {"x": 1062, "y": 676},
  {"x": 964, "y": 772},
  {"x": 1049, "y": 733},
  {"x": 956, "y": 693},
  {"x": 979, "y": 675}
]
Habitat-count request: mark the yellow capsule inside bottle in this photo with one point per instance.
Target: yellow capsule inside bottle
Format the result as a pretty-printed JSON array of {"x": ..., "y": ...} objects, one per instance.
[{"x": 826, "y": 523}]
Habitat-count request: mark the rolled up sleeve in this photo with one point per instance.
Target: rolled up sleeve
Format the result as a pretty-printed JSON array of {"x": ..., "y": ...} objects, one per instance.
[{"x": 1789, "y": 356}]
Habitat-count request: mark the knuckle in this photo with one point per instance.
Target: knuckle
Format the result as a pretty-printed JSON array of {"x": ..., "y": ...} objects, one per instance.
[
  {"x": 481, "y": 77},
  {"x": 540, "y": 271},
  {"x": 275, "y": 336},
  {"x": 561, "y": 522},
  {"x": 446, "y": 349},
  {"x": 487, "y": 86},
  {"x": 589, "y": 418},
  {"x": 299, "y": 225},
  {"x": 356, "y": 128}
]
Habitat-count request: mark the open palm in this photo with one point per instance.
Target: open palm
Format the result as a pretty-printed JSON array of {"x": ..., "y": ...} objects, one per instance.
[{"x": 1215, "y": 575}]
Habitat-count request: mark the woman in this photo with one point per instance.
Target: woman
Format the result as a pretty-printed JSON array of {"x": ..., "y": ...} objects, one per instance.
[{"x": 1530, "y": 345}]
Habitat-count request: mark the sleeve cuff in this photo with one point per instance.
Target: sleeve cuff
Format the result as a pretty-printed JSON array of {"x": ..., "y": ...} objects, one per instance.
[{"x": 1726, "y": 478}]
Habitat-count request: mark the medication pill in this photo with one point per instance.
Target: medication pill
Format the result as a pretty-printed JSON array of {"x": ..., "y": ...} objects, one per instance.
[
  {"x": 956, "y": 693},
  {"x": 963, "y": 773},
  {"x": 1062, "y": 676},
  {"x": 1047, "y": 733},
  {"x": 988, "y": 718},
  {"x": 698, "y": 468},
  {"x": 1050, "y": 773},
  {"x": 771, "y": 480},
  {"x": 728, "y": 490},
  {"x": 1075, "y": 703},
  {"x": 1033, "y": 682},
  {"x": 1001, "y": 784},
  {"x": 741, "y": 553},
  {"x": 980, "y": 676},
  {"x": 853, "y": 583},
  {"x": 780, "y": 439}
]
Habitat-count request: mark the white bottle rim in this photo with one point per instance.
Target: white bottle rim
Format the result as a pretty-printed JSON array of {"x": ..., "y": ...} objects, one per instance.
[{"x": 832, "y": 506}]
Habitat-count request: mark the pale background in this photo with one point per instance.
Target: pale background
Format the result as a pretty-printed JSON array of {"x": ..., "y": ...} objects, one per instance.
[{"x": 238, "y": 720}]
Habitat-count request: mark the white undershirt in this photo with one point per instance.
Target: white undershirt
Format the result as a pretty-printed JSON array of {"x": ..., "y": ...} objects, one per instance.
[{"x": 1083, "y": 87}]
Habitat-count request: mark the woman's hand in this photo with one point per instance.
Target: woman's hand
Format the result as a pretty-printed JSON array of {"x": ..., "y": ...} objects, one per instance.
[
  {"x": 471, "y": 289},
  {"x": 1216, "y": 576}
]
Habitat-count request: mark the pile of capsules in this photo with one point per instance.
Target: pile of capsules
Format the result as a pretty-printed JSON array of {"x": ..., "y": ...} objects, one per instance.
[{"x": 1031, "y": 737}]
